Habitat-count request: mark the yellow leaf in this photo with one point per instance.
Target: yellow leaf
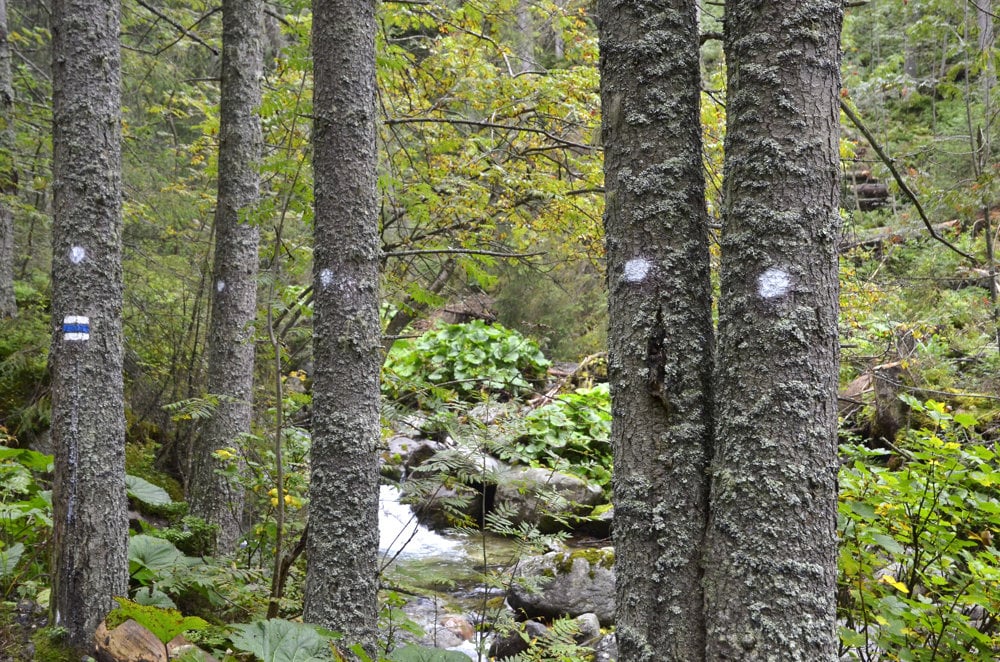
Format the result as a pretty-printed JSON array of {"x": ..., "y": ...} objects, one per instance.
[{"x": 895, "y": 583}]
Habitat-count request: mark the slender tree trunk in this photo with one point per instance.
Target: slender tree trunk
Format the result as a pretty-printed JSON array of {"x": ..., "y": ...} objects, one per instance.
[
  {"x": 525, "y": 38},
  {"x": 90, "y": 539},
  {"x": 8, "y": 174},
  {"x": 771, "y": 549},
  {"x": 234, "y": 291},
  {"x": 341, "y": 580},
  {"x": 660, "y": 328}
]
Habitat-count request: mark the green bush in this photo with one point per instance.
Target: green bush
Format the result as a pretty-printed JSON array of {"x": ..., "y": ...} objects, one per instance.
[
  {"x": 919, "y": 568},
  {"x": 460, "y": 362},
  {"x": 572, "y": 433}
]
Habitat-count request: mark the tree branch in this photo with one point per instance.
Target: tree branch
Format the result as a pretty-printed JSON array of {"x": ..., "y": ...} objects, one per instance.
[
  {"x": 491, "y": 125},
  {"x": 459, "y": 251},
  {"x": 187, "y": 33},
  {"x": 891, "y": 165}
]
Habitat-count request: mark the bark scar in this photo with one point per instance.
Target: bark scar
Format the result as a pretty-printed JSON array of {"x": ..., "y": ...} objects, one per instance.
[{"x": 656, "y": 363}]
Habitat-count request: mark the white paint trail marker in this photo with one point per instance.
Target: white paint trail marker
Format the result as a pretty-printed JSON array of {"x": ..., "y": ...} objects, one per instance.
[
  {"x": 637, "y": 269},
  {"x": 773, "y": 283},
  {"x": 76, "y": 327}
]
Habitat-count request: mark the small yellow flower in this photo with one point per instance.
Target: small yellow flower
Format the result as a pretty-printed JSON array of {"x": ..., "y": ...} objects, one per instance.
[
  {"x": 274, "y": 501},
  {"x": 273, "y": 492},
  {"x": 224, "y": 454}
]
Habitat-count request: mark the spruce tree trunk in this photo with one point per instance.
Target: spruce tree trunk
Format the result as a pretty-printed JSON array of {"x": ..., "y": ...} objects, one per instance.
[
  {"x": 771, "y": 551},
  {"x": 660, "y": 330},
  {"x": 90, "y": 538},
  {"x": 234, "y": 291},
  {"x": 341, "y": 580},
  {"x": 8, "y": 174}
]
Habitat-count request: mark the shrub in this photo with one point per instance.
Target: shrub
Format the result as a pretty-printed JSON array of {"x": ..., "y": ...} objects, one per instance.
[
  {"x": 572, "y": 433},
  {"x": 460, "y": 361},
  {"x": 919, "y": 569}
]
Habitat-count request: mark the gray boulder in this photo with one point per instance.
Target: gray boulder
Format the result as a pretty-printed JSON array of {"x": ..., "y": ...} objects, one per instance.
[
  {"x": 549, "y": 499},
  {"x": 568, "y": 583}
]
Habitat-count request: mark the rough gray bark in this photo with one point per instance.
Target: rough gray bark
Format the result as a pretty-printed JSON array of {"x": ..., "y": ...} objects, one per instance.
[
  {"x": 341, "y": 579},
  {"x": 234, "y": 291},
  {"x": 90, "y": 538},
  {"x": 770, "y": 562},
  {"x": 8, "y": 174},
  {"x": 660, "y": 329}
]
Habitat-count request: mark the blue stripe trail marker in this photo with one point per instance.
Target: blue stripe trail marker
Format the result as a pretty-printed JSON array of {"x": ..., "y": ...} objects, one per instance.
[{"x": 76, "y": 327}]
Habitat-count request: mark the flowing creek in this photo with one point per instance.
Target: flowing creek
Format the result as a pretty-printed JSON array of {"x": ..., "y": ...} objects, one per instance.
[
  {"x": 447, "y": 570},
  {"x": 450, "y": 565}
]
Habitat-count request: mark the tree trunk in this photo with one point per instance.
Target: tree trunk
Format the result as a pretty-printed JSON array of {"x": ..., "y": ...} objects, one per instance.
[
  {"x": 770, "y": 559},
  {"x": 90, "y": 539},
  {"x": 8, "y": 174},
  {"x": 234, "y": 292},
  {"x": 660, "y": 327},
  {"x": 341, "y": 579}
]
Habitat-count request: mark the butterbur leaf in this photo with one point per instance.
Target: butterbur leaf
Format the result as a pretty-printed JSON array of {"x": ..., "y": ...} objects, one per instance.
[
  {"x": 278, "y": 640},
  {"x": 143, "y": 490},
  {"x": 152, "y": 597},
  {"x": 412, "y": 653},
  {"x": 153, "y": 553}
]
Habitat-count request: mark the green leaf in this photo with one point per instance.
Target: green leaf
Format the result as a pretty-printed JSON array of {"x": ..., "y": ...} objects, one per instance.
[
  {"x": 9, "y": 558},
  {"x": 164, "y": 623},
  {"x": 154, "y": 553},
  {"x": 28, "y": 458},
  {"x": 153, "y": 597},
  {"x": 863, "y": 510},
  {"x": 966, "y": 420},
  {"x": 888, "y": 543},
  {"x": 413, "y": 653},
  {"x": 277, "y": 640},
  {"x": 143, "y": 490}
]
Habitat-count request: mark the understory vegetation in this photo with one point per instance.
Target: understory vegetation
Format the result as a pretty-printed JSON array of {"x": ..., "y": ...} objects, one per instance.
[{"x": 490, "y": 209}]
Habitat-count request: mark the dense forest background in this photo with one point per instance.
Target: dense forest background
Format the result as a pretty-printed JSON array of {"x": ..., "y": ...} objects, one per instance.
[{"x": 490, "y": 208}]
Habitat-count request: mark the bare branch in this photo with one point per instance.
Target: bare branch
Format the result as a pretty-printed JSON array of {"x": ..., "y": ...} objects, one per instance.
[
  {"x": 187, "y": 33},
  {"x": 460, "y": 251},
  {"x": 491, "y": 125},
  {"x": 891, "y": 165}
]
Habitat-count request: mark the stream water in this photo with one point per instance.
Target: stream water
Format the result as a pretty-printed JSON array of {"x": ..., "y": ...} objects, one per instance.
[{"x": 449, "y": 566}]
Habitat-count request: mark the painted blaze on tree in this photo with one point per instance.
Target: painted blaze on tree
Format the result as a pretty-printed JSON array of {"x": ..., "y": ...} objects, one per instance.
[
  {"x": 660, "y": 323},
  {"x": 765, "y": 414},
  {"x": 341, "y": 579},
  {"x": 90, "y": 537},
  {"x": 771, "y": 567}
]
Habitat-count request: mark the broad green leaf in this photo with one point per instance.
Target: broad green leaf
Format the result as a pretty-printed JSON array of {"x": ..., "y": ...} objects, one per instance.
[
  {"x": 9, "y": 558},
  {"x": 413, "y": 653},
  {"x": 965, "y": 419},
  {"x": 143, "y": 490},
  {"x": 152, "y": 597},
  {"x": 888, "y": 543},
  {"x": 154, "y": 553},
  {"x": 278, "y": 640}
]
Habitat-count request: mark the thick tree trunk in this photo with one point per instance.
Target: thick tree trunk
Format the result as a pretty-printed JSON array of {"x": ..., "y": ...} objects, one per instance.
[
  {"x": 234, "y": 292},
  {"x": 341, "y": 580},
  {"x": 771, "y": 551},
  {"x": 90, "y": 539},
  {"x": 8, "y": 174},
  {"x": 660, "y": 329}
]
